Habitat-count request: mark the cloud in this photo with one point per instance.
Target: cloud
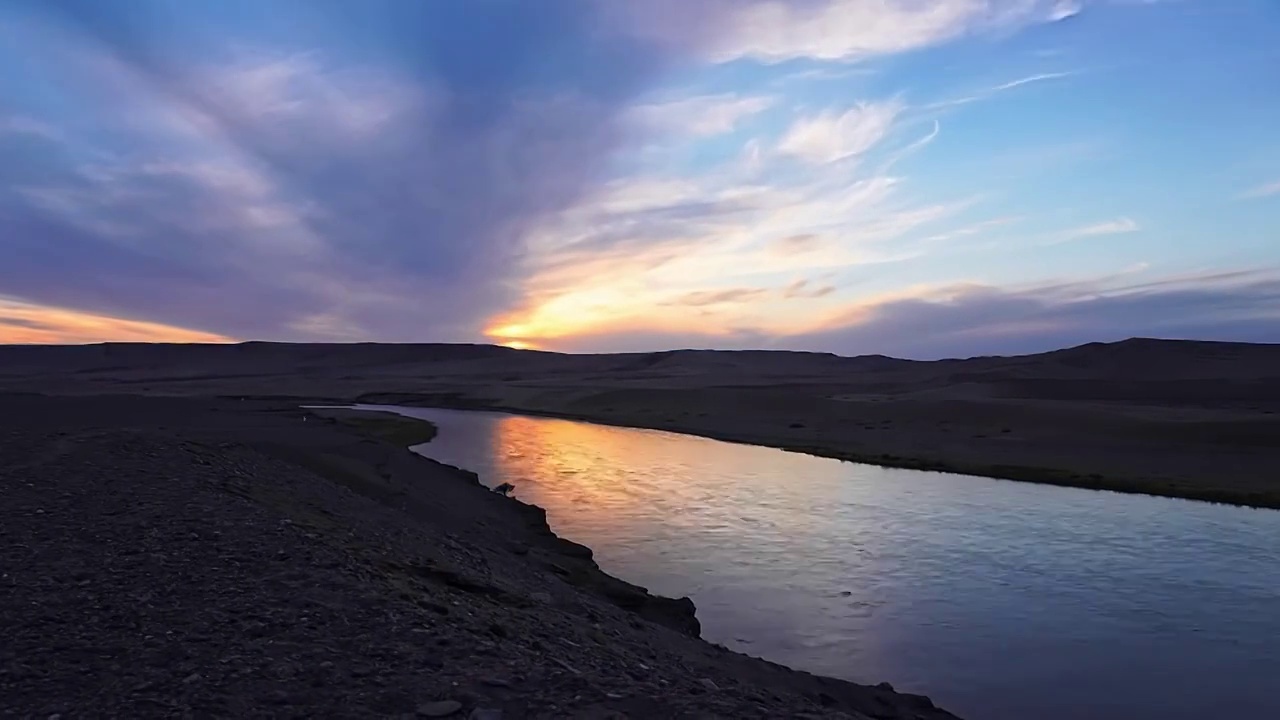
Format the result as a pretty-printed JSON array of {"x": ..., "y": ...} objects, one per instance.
[
  {"x": 795, "y": 290},
  {"x": 806, "y": 289},
  {"x": 1031, "y": 79},
  {"x": 1064, "y": 9},
  {"x": 302, "y": 193},
  {"x": 24, "y": 323},
  {"x": 977, "y": 228},
  {"x": 828, "y": 137},
  {"x": 968, "y": 320},
  {"x": 617, "y": 258},
  {"x": 1265, "y": 190},
  {"x": 1003, "y": 87},
  {"x": 22, "y": 125},
  {"x": 796, "y": 244},
  {"x": 717, "y": 297},
  {"x": 456, "y": 167},
  {"x": 842, "y": 30},
  {"x": 1118, "y": 226},
  {"x": 702, "y": 116}
]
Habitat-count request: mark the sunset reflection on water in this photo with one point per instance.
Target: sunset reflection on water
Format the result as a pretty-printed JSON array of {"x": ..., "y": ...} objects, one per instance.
[
  {"x": 609, "y": 483},
  {"x": 983, "y": 594}
]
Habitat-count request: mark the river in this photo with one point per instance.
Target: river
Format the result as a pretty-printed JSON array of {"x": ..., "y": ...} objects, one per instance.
[{"x": 1000, "y": 600}]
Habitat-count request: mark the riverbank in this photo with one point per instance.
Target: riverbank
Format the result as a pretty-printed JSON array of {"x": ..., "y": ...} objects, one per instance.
[
  {"x": 239, "y": 557},
  {"x": 1267, "y": 498},
  {"x": 1194, "y": 420}
]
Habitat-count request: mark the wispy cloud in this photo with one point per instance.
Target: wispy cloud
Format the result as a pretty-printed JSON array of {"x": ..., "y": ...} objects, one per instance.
[
  {"x": 258, "y": 192},
  {"x": 1031, "y": 79},
  {"x": 621, "y": 257},
  {"x": 1118, "y": 226},
  {"x": 1264, "y": 190},
  {"x": 796, "y": 244},
  {"x": 701, "y": 298},
  {"x": 830, "y": 136},
  {"x": 967, "y": 319},
  {"x": 997, "y": 89},
  {"x": 702, "y": 116},
  {"x": 805, "y": 288},
  {"x": 28, "y": 324},
  {"x": 523, "y": 171},
  {"x": 848, "y": 30},
  {"x": 977, "y": 228},
  {"x": 1064, "y": 9},
  {"x": 22, "y": 125}
]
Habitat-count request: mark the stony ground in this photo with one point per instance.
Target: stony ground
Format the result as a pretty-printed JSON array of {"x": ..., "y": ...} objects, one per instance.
[{"x": 169, "y": 557}]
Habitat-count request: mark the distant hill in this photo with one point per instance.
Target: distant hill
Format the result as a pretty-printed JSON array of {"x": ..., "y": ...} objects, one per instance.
[{"x": 1169, "y": 417}]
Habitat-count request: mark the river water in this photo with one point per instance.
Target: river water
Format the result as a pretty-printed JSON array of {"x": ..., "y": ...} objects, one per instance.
[{"x": 1000, "y": 600}]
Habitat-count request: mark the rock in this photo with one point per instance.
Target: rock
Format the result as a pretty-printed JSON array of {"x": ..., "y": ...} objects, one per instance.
[
  {"x": 193, "y": 677},
  {"x": 542, "y": 597},
  {"x": 440, "y": 708},
  {"x": 709, "y": 684},
  {"x": 485, "y": 714}
]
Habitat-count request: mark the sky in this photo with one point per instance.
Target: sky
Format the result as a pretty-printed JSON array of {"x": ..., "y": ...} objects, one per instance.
[{"x": 918, "y": 178}]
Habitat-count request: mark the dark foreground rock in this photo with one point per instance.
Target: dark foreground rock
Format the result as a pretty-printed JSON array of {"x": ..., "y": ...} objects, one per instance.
[{"x": 184, "y": 557}]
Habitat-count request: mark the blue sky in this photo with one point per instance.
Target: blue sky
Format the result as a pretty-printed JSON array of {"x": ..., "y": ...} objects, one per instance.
[{"x": 922, "y": 178}]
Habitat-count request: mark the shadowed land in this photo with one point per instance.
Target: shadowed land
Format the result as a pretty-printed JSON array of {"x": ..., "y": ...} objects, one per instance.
[
  {"x": 175, "y": 556},
  {"x": 1175, "y": 418}
]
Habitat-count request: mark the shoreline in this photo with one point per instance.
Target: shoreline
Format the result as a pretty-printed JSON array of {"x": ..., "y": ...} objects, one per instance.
[
  {"x": 1188, "y": 420},
  {"x": 220, "y": 557},
  {"x": 1014, "y": 473},
  {"x": 679, "y": 614}
]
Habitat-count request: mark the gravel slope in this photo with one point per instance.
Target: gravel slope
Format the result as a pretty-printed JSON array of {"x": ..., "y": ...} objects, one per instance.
[{"x": 185, "y": 557}]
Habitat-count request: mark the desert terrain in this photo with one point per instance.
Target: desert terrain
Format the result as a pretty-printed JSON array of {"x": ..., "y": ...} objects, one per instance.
[
  {"x": 194, "y": 557},
  {"x": 1176, "y": 418},
  {"x": 181, "y": 537}
]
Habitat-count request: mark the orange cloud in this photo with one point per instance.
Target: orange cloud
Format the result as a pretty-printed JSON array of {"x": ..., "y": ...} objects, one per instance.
[{"x": 27, "y": 324}]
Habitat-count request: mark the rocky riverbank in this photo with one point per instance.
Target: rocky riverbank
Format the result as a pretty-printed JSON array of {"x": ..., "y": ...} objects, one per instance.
[{"x": 186, "y": 556}]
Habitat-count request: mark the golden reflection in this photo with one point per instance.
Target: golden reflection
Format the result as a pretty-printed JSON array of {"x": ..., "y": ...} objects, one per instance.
[
  {"x": 577, "y": 472},
  {"x": 593, "y": 478},
  {"x": 545, "y": 448},
  {"x": 683, "y": 515}
]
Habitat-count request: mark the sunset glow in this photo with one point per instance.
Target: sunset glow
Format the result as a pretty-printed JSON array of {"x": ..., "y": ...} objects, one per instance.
[
  {"x": 574, "y": 175},
  {"x": 25, "y": 324}
]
